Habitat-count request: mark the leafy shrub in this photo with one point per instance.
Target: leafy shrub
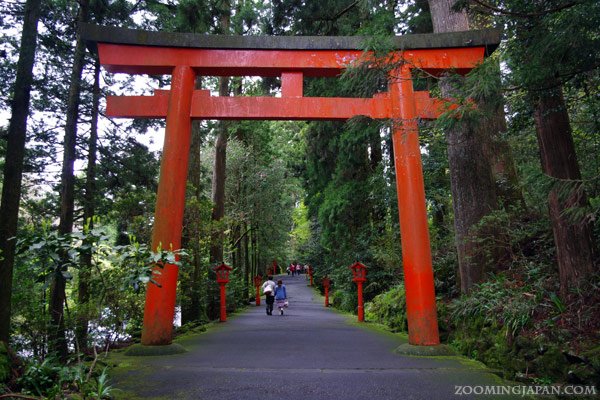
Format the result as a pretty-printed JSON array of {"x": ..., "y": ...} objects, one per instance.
[
  {"x": 343, "y": 300},
  {"x": 41, "y": 378},
  {"x": 49, "y": 379},
  {"x": 389, "y": 308},
  {"x": 503, "y": 300}
]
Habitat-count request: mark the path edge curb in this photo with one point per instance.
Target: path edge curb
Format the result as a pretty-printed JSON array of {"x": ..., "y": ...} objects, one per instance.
[
  {"x": 407, "y": 349},
  {"x": 139, "y": 350}
]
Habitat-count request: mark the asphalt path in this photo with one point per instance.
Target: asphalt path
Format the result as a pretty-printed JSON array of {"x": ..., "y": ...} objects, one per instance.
[{"x": 310, "y": 352}]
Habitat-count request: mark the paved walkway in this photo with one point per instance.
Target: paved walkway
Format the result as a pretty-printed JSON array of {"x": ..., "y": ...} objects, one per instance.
[{"x": 309, "y": 353}]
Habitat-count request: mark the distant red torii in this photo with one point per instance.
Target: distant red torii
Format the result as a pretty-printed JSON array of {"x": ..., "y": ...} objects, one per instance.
[{"x": 184, "y": 56}]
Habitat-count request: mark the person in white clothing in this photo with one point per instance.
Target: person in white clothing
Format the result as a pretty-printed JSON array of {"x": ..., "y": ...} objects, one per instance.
[{"x": 268, "y": 289}]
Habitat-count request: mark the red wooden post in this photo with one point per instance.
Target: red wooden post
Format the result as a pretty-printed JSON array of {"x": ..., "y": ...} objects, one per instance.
[
  {"x": 361, "y": 306},
  {"x": 170, "y": 202},
  {"x": 326, "y": 283},
  {"x": 223, "y": 303},
  {"x": 416, "y": 252},
  {"x": 257, "y": 282},
  {"x": 359, "y": 275},
  {"x": 222, "y": 272}
]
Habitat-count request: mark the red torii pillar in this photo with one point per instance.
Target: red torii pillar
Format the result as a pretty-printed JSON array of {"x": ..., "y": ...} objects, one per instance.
[
  {"x": 182, "y": 104},
  {"x": 170, "y": 203},
  {"x": 421, "y": 308}
]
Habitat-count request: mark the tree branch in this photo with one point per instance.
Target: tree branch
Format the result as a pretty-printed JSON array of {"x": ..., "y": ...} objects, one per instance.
[
  {"x": 345, "y": 10},
  {"x": 503, "y": 11},
  {"x": 241, "y": 237}
]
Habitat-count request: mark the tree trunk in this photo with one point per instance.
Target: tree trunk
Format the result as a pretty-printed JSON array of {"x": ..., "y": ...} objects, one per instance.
[
  {"x": 473, "y": 185},
  {"x": 254, "y": 244},
  {"x": 375, "y": 164},
  {"x": 219, "y": 171},
  {"x": 572, "y": 238},
  {"x": 191, "y": 307},
  {"x": 58, "y": 339},
  {"x": 13, "y": 163},
  {"x": 248, "y": 278},
  {"x": 218, "y": 199},
  {"x": 218, "y": 185},
  {"x": 83, "y": 295}
]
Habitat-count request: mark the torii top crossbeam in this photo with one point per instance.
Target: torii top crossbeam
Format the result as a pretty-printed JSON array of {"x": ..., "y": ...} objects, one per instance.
[
  {"x": 291, "y": 58},
  {"x": 185, "y": 56}
]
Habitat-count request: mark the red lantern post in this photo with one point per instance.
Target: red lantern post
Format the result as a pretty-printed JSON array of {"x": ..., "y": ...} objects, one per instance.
[
  {"x": 311, "y": 271},
  {"x": 222, "y": 279},
  {"x": 359, "y": 275},
  {"x": 257, "y": 281},
  {"x": 326, "y": 283}
]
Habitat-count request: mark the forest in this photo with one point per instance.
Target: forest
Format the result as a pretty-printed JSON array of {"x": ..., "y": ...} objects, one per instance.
[{"x": 512, "y": 186}]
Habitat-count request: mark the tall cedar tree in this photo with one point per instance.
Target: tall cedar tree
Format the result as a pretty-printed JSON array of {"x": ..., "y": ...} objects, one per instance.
[
  {"x": 58, "y": 341},
  {"x": 474, "y": 193},
  {"x": 13, "y": 167},
  {"x": 219, "y": 176},
  {"x": 83, "y": 285},
  {"x": 554, "y": 42}
]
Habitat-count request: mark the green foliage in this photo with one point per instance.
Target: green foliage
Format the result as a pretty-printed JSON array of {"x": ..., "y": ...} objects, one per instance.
[
  {"x": 300, "y": 234},
  {"x": 115, "y": 269},
  {"x": 389, "y": 308},
  {"x": 519, "y": 236},
  {"x": 142, "y": 264},
  {"x": 503, "y": 301},
  {"x": 43, "y": 378},
  {"x": 50, "y": 379},
  {"x": 103, "y": 389}
]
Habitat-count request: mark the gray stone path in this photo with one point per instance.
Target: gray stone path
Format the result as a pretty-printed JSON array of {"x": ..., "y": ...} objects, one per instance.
[{"x": 309, "y": 353}]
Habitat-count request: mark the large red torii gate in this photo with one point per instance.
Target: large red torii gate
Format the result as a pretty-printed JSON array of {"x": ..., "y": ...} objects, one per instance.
[{"x": 183, "y": 56}]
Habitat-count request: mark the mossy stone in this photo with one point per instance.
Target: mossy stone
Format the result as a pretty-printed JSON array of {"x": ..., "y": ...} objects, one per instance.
[
  {"x": 551, "y": 364},
  {"x": 582, "y": 374},
  {"x": 524, "y": 343},
  {"x": 424, "y": 351},
  {"x": 593, "y": 355},
  {"x": 141, "y": 350}
]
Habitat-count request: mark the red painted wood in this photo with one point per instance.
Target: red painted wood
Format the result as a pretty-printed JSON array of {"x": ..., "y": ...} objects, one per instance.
[
  {"x": 271, "y": 108},
  {"x": 416, "y": 251},
  {"x": 361, "y": 306},
  {"x": 223, "y": 303},
  {"x": 168, "y": 216},
  {"x": 313, "y": 63},
  {"x": 292, "y": 84}
]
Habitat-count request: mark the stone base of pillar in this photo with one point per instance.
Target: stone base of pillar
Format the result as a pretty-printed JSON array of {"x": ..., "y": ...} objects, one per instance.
[
  {"x": 424, "y": 351},
  {"x": 138, "y": 350}
]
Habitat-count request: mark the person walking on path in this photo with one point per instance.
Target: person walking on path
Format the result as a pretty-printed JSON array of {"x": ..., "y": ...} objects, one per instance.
[
  {"x": 280, "y": 296},
  {"x": 268, "y": 289}
]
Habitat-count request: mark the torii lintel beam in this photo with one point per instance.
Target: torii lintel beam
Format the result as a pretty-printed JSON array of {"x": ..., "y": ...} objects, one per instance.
[
  {"x": 142, "y": 52},
  {"x": 205, "y": 106}
]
